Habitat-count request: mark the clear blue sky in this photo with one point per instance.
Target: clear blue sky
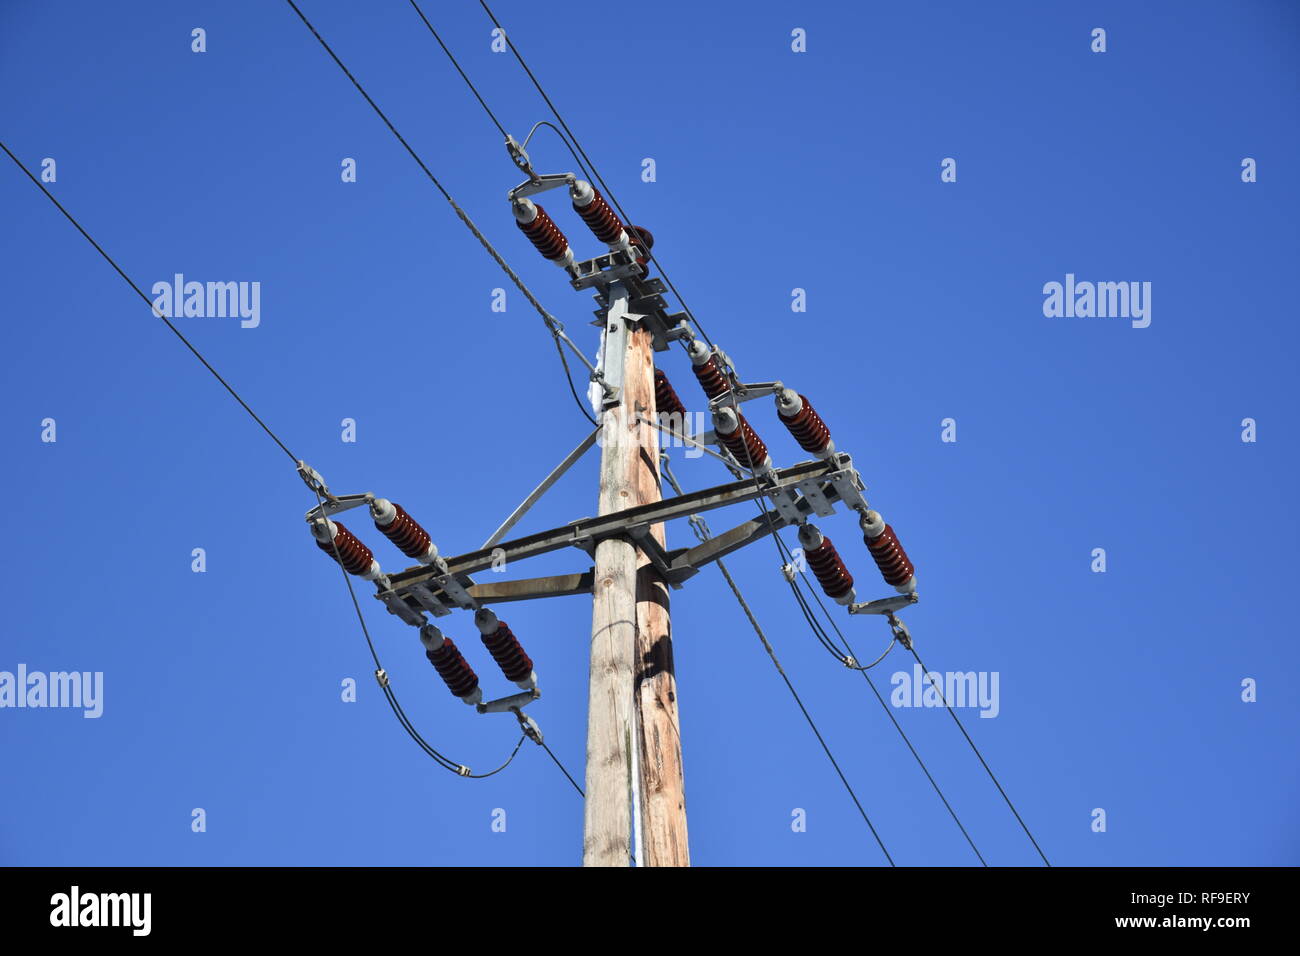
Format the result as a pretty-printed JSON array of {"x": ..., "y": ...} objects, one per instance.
[{"x": 775, "y": 171}]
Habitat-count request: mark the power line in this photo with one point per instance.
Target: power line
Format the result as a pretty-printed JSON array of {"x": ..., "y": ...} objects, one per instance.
[
  {"x": 391, "y": 697},
  {"x": 983, "y": 762},
  {"x": 380, "y": 674},
  {"x": 824, "y": 639},
  {"x": 898, "y": 726},
  {"x": 552, "y": 323},
  {"x": 561, "y": 766},
  {"x": 568, "y": 375},
  {"x": 481, "y": 102},
  {"x": 702, "y": 532},
  {"x": 149, "y": 302},
  {"x": 573, "y": 143},
  {"x": 595, "y": 172},
  {"x": 744, "y": 605}
]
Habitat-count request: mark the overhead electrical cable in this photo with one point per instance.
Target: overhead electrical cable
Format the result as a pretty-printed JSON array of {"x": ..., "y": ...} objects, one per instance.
[
  {"x": 952, "y": 713},
  {"x": 552, "y": 323},
  {"x": 609, "y": 193},
  {"x": 702, "y": 532},
  {"x": 389, "y": 694}
]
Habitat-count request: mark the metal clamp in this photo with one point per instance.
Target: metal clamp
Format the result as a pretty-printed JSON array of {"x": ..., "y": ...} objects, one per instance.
[
  {"x": 312, "y": 478},
  {"x": 508, "y": 705},
  {"x": 901, "y": 633},
  {"x": 885, "y": 605},
  {"x": 529, "y": 727}
]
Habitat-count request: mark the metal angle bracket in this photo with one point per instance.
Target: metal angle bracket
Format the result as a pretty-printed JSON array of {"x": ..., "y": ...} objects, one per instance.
[
  {"x": 814, "y": 493},
  {"x": 744, "y": 393},
  {"x": 618, "y": 326},
  {"x": 540, "y": 184},
  {"x": 848, "y": 483},
  {"x": 647, "y": 542},
  {"x": 428, "y": 600},
  {"x": 886, "y": 606},
  {"x": 506, "y": 705},
  {"x": 645, "y": 295},
  {"x": 335, "y": 505},
  {"x": 395, "y": 605},
  {"x": 600, "y": 272},
  {"x": 820, "y": 492},
  {"x": 454, "y": 589}
]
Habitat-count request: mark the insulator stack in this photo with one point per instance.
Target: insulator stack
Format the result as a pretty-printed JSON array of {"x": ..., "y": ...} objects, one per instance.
[
  {"x": 506, "y": 649},
  {"x": 895, "y": 567},
  {"x": 705, "y": 365},
  {"x": 403, "y": 530},
  {"x": 595, "y": 212},
  {"x": 355, "y": 557},
  {"x": 450, "y": 664},
  {"x": 666, "y": 400},
  {"x": 537, "y": 224},
  {"x": 827, "y": 565},
  {"x": 804, "y": 423},
  {"x": 735, "y": 433}
]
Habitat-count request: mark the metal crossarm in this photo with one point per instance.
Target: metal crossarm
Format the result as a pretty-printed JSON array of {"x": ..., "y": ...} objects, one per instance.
[{"x": 797, "y": 491}]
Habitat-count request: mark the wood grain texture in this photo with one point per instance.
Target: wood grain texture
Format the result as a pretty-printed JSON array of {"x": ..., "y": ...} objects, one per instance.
[
  {"x": 662, "y": 785},
  {"x": 607, "y": 821}
]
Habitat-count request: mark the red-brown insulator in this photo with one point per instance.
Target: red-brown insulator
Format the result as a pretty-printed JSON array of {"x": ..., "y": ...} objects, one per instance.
[
  {"x": 602, "y": 221},
  {"x": 805, "y": 424},
  {"x": 666, "y": 400},
  {"x": 403, "y": 530},
  {"x": 743, "y": 442},
  {"x": 545, "y": 235},
  {"x": 829, "y": 567},
  {"x": 505, "y": 648},
  {"x": 895, "y": 567},
  {"x": 712, "y": 379},
  {"x": 450, "y": 664},
  {"x": 355, "y": 557},
  {"x": 642, "y": 239}
]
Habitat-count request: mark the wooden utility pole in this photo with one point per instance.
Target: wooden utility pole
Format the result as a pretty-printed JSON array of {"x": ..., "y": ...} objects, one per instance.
[{"x": 631, "y": 648}]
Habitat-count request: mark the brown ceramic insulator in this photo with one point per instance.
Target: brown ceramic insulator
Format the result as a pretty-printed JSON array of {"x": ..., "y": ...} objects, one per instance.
[
  {"x": 602, "y": 221},
  {"x": 406, "y": 533},
  {"x": 895, "y": 567},
  {"x": 829, "y": 567},
  {"x": 744, "y": 444},
  {"x": 508, "y": 653},
  {"x": 545, "y": 235},
  {"x": 666, "y": 400},
  {"x": 808, "y": 428},
  {"x": 453, "y": 668},
  {"x": 355, "y": 557},
  {"x": 711, "y": 377}
]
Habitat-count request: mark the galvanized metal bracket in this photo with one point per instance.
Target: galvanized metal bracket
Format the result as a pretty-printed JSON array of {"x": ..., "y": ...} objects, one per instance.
[
  {"x": 619, "y": 322},
  {"x": 512, "y": 704},
  {"x": 336, "y": 505},
  {"x": 885, "y": 606}
]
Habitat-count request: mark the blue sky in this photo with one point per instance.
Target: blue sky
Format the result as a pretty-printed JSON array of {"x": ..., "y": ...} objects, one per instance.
[{"x": 775, "y": 170}]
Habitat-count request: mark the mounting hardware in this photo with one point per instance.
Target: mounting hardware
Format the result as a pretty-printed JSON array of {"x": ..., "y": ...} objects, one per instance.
[
  {"x": 885, "y": 605},
  {"x": 529, "y": 727},
  {"x": 511, "y": 704},
  {"x": 901, "y": 633}
]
